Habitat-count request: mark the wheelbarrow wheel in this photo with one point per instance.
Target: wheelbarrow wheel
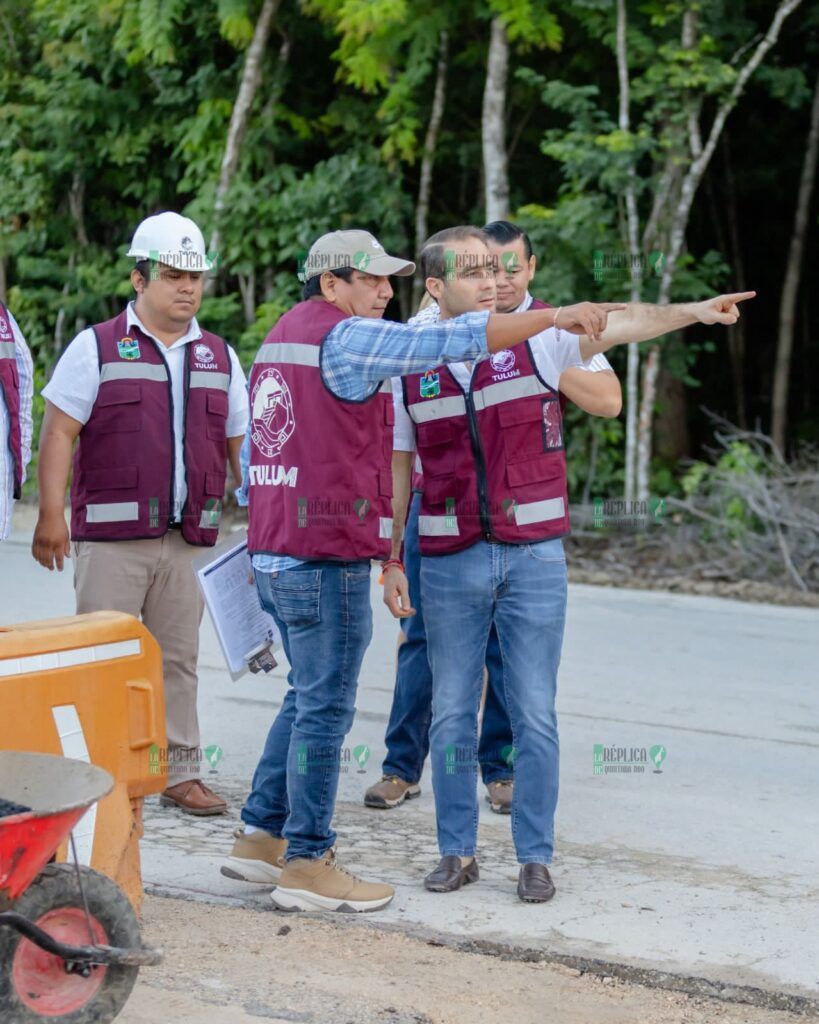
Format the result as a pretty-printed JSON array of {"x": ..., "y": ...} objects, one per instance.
[{"x": 34, "y": 985}]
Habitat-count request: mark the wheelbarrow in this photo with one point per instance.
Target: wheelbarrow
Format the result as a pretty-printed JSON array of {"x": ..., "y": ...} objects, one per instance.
[{"x": 70, "y": 947}]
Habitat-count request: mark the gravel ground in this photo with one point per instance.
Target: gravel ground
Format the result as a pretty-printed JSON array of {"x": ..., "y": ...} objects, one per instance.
[{"x": 235, "y": 966}]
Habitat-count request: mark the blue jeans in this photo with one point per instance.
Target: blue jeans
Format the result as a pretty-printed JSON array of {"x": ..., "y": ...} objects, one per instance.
[
  {"x": 522, "y": 590},
  {"x": 324, "y": 614},
  {"x": 407, "y": 737}
]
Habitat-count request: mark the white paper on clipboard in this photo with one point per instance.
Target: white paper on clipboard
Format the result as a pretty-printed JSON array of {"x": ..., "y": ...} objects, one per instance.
[{"x": 240, "y": 622}]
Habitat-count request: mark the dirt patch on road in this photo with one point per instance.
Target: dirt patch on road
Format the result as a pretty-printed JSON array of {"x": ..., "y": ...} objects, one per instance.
[{"x": 236, "y": 966}]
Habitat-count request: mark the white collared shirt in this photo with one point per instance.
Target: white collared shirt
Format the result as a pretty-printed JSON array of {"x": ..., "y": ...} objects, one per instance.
[
  {"x": 25, "y": 371},
  {"x": 74, "y": 386}
]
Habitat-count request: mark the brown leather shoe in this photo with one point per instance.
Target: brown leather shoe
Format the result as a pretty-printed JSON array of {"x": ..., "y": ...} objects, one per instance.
[
  {"x": 450, "y": 875},
  {"x": 535, "y": 884},
  {"x": 193, "y": 797}
]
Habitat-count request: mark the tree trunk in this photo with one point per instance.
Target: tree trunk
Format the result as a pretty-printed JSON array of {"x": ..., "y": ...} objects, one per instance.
[
  {"x": 493, "y": 125},
  {"x": 248, "y": 87},
  {"x": 428, "y": 159},
  {"x": 76, "y": 206},
  {"x": 247, "y": 289},
  {"x": 736, "y": 334},
  {"x": 790, "y": 287},
  {"x": 679, "y": 223},
  {"x": 633, "y": 228}
]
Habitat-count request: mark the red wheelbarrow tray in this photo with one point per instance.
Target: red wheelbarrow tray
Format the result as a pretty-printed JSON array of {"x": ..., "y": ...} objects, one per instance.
[{"x": 59, "y": 791}]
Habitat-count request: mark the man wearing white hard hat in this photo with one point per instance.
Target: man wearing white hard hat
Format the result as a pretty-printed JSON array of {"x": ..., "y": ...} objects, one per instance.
[{"x": 157, "y": 407}]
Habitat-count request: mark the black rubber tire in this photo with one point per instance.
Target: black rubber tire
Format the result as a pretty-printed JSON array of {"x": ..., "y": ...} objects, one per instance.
[{"x": 57, "y": 887}]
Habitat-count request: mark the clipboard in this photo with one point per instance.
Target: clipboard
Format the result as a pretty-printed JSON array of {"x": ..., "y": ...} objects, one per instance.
[{"x": 247, "y": 633}]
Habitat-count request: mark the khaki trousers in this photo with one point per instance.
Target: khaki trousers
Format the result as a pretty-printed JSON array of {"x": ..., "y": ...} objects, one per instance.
[{"x": 154, "y": 580}]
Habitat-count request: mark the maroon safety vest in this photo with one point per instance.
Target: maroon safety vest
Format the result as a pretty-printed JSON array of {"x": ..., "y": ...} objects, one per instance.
[
  {"x": 493, "y": 458},
  {"x": 320, "y": 476},
  {"x": 123, "y": 481},
  {"x": 10, "y": 388},
  {"x": 417, "y": 466}
]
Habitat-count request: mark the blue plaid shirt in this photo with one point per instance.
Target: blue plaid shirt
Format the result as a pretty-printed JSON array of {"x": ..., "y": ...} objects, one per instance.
[{"x": 360, "y": 353}]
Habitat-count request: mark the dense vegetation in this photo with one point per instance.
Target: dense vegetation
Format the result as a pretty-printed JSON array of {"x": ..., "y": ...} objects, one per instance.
[{"x": 114, "y": 109}]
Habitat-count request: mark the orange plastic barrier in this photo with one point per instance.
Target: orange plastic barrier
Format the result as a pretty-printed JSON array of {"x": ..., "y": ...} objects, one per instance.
[{"x": 90, "y": 687}]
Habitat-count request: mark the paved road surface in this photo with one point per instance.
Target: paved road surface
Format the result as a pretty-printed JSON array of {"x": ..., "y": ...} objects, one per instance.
[{"x": 709, "y": 868}]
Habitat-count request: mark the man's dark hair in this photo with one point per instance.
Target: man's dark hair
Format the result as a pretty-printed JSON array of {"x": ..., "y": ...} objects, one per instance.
[
  {"x": 503, "y": 231},
  {"x": 313, "y": 286},
  {"x": 143, "y": 268},
  {"x": 433, "y": 253}
]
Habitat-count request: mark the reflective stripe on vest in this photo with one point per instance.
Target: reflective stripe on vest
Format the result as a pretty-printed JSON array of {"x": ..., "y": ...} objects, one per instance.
[
  {"x": 7, "y": 350},
  {"x": 492, "y": 394},
  {"x": 437, "y": 409},
  {"x": 209, "y": 379},
  {"x": 539, "y": 511},
  {"x": 112, "y": 512},
  {"x": 507, "y": 390},
  {"x": 132, "y": 371},
  {"x": 385, "y": 528},
  {"x": 438, "y": 526},
  {"x": 289, "y": 352}
]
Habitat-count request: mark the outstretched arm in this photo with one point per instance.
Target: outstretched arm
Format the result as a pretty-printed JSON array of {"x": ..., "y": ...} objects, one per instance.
[{"x": 642, "y": 321}]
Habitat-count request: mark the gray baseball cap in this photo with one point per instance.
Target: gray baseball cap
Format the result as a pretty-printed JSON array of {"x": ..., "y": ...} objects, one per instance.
[{"x": 357, "y": 249}]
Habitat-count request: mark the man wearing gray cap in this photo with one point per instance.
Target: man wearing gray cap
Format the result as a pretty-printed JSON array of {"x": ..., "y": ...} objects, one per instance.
[{"x": 317, "y": 473}]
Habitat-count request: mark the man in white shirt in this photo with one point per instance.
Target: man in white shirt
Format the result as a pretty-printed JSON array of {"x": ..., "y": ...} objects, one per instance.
[
  {"x": 16, "y": 392},
  {"x": 158, "y": 407}
]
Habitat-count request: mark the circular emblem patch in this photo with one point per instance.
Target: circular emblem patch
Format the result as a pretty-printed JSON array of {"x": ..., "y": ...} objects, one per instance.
[
  {"x": 503, "y": 360},
  {"x": 272, "y": 413},
  {"x": 203, "y": 353}
]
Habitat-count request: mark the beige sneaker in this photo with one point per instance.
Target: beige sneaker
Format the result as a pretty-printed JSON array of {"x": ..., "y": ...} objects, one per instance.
[
  {"x": 499, "y": 796},
  {"x": 390, "y": 792},
  {"x": 257, "y": 857},
  {"x": 320, "y": 884}
]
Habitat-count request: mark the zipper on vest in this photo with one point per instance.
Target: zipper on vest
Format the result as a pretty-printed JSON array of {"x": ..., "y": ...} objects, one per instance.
[
  {"x": 185, "y": 399},
  {"x": 166, "y": 364},
  {"x": 480, "y": 465}
]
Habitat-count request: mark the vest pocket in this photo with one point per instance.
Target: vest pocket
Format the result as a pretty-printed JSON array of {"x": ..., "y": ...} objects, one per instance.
[
  {"x": 435, "y": 448},
  {"x": 217, "y": 410},
  {"x": 117, "y": 408},
  {"x": 533, "y": 471},
  {"x": 385, "y": 483},
  {"x": 114, "y": 478},
  {"x": 215, "y": 484},
  {"x": 521, "y": 429}
]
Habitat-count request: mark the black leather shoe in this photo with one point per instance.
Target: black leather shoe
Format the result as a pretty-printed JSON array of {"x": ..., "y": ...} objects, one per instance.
[
  {"x": 449, "y": 875},
  {"x": 535, "y": 883}
]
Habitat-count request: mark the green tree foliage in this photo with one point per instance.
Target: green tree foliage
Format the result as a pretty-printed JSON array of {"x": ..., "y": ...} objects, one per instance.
[{"x": 114, "y": 109}]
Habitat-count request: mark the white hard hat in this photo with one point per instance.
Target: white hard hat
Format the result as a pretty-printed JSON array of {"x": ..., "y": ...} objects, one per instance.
[{"x": 171, "y": 239}]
